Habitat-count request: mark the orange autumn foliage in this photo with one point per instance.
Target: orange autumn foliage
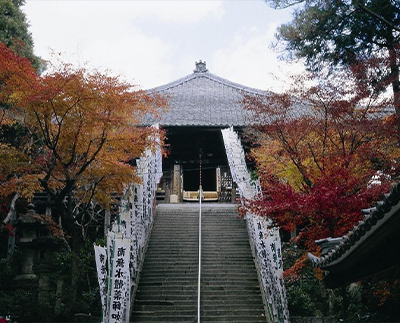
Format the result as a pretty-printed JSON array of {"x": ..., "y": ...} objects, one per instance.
[
  {"x": 84, "y": 128},
  {"x": 15, "y": 73},
  {"x": 17, "y": 172}
]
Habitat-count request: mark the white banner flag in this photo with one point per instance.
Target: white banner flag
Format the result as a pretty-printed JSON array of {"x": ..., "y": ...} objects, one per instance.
[
  {"x": 101, "y": 265},
  {"x": 120, "y": 281}
]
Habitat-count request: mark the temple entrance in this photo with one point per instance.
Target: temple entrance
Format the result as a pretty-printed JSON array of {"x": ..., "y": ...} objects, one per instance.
[
  {"x": 188, "y": 146},
  {"x": 191, "y": 182}
]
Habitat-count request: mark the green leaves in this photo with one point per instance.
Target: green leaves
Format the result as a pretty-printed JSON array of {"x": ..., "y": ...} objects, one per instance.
[{"x": 14, "y": 30}]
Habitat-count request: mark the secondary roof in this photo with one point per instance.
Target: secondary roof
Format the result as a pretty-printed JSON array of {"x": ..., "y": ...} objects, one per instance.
[{"x": 372, "y": 247}]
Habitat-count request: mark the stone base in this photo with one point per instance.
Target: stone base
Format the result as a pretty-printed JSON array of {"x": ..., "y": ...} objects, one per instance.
[{"x": 173, "y": 198}]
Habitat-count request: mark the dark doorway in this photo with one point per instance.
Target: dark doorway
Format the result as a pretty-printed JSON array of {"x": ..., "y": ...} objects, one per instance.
[
  {"x": 186, "y": 146},
  {"x": 191, "y": 178},
  {"x": 209, "y": 179}
]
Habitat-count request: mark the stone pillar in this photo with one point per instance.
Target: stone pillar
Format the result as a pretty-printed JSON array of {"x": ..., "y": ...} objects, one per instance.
[
  {"x": 233, "y": 196},
  {"x": 167, "y": 193},
  {"x": 59, "y": 294},
  {"x": 44, "y": 289},
  {"x": 176, "y": 185},
  {"x": 177, "y": 180},
  {"x": 28, "y": 258}
]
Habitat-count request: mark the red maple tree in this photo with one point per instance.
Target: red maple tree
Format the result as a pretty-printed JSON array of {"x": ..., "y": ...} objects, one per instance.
[{"x": 324, "y": 150}]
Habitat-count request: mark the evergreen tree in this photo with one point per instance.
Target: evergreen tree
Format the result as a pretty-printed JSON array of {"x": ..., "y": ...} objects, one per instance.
[
  {"x": 14, "y": 30},
  {"x": 345, "y": 32}
]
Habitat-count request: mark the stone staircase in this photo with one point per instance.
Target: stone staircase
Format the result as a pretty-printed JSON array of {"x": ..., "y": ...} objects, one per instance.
[{"x": 167, "y": 289}]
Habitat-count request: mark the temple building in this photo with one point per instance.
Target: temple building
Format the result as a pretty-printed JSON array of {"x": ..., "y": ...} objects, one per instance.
[{"x": 200, "y": 105}]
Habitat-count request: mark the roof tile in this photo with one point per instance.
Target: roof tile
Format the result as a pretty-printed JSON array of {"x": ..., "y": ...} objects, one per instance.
[{"x": 204, "y": 99}]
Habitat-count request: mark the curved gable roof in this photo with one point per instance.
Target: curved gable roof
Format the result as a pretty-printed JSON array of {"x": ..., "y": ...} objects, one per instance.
[{"x": 204, "y": 99}]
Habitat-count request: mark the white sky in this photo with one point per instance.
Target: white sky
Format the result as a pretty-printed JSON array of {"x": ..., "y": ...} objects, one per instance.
[{"x": 151, "y": 43}]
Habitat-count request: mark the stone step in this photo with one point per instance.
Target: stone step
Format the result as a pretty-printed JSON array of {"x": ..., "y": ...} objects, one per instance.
[
  {"x": 207, "y": 277},
  {"x": 167, "y": 318},
  {"x": 234, "y": 318},
  {"x": 183, "y": 255},
  {"x": 206, "y": 302},
  {"x": 149, "y": 317},
  {"x": 173, "y": 298},
  {"x": 152, "y": 273},
  {"x": 185, "y": 311},
  {"x": 187, "y": 267},
  {"x": 215, "y": 288}
]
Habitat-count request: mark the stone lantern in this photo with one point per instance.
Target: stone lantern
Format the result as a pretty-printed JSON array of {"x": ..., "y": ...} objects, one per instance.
[
  {"x": 29, "y": 229},
  {"x": 37, "y": 246}
]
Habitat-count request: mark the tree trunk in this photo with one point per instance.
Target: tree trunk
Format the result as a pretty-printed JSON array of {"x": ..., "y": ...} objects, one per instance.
[
  {"x": 76, "y": 242},
  {"x": 11, "y": 218},
  {"x": 107, "y": 221},
  {"x": 394, "y": 69},
  {"x": 395, "y": 79}
]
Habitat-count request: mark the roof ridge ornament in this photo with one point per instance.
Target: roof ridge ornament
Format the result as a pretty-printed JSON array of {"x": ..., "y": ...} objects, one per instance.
[{"x": 201, "y": 67}]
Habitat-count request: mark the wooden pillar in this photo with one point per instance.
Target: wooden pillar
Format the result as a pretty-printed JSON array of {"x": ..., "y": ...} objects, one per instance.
[{"x": 218, "y": 179}]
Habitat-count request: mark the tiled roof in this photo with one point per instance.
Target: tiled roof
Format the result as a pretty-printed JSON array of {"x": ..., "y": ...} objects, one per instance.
[
  {"x": 204, "y": 99},
  {"x": 376, "y": 218}
]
